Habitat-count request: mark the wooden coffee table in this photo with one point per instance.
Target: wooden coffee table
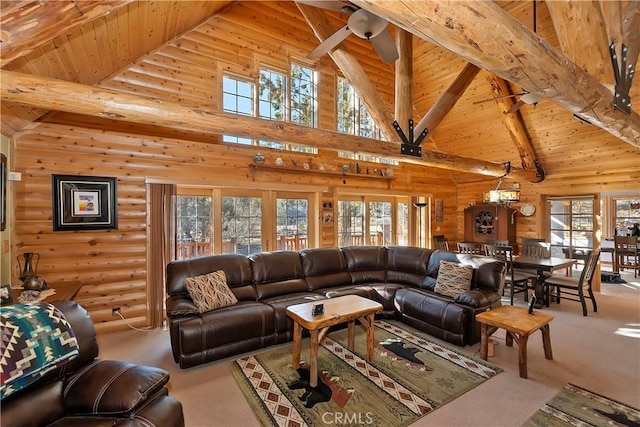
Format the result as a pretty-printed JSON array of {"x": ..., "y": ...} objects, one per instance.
[
  {"x": 348, "y": 308},
  {"x": 519, "y": 324}
]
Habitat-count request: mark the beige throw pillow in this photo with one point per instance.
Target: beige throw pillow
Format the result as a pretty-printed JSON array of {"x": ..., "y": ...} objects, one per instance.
[
  {"x": 210, "y": 291},
  {"x": 453, "y": 278}
]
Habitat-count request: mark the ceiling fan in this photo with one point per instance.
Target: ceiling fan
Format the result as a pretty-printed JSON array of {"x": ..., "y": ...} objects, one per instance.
[
  {"x": 363, "y": 24},
  {"x": 528, "y": 98}
]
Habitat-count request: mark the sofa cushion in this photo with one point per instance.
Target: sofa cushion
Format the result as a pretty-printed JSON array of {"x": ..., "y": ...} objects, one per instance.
[
  {"x": 112, "y": 387},
  {"x": 210, "y": 291},
  {"x": 453, "y": 278},
  {"x": 407, "y": 265},
  {"x": 324, "y": 268},
  {"x": 367, "y": 264},
  {"x": 277, "y": 273}
]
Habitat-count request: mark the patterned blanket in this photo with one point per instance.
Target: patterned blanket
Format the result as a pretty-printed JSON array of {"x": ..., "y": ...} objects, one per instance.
[{"x": 36, "y": 338}]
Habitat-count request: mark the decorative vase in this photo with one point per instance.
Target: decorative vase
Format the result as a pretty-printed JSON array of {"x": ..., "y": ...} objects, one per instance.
[
  {"x": 34, "y": 283},
  {"x": 258, "y": 159},
  {"x": 28, "y": 270}
]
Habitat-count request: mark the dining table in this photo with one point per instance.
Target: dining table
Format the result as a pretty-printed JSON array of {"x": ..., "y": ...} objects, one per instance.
[{"x": 542, "y": 265}]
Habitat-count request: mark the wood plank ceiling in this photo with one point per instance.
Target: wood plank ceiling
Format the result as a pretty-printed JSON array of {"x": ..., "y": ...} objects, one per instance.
[{"x": 102, "y": 43}]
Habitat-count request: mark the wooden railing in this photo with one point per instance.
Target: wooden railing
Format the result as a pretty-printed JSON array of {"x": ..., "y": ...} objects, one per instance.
[
  {"x": 375, "y": 239},
  {"x": 294, "y": 243},
  {"x": 193, "y": 249}
]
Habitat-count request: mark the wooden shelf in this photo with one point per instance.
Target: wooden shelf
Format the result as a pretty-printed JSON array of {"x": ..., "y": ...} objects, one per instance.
[{"x": 266, "y": 168}]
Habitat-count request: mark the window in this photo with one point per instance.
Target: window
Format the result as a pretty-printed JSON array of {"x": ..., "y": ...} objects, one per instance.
[
  {"x": 272, "y": 102},
  {"x": 402, "y": 234},
  {"x": 353, "y": 117},
  {"x": 193, "y": 226},
  {"x": 373, "y": 221},
  {"x": 571, "y": 225},
  {"x": 350, "y": 223},
  {"x": 241, "y": 225},
  {"x": 292, "y": 224},
  {"x": 237, "y": 96},
  {"x": 627, "y": 213},
  {"x": 303, "y": 96},
  {"x": 380, "y": 223}
]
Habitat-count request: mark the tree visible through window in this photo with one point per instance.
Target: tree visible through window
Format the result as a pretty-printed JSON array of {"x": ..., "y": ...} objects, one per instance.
[
  {"x": 292, "y": 224},
  {"x": 571, "y": 225},
  {"x": 272, "y": 102},
  {"x": 241, "y": 225},
  {"x": 353, "y": 117},
  {"x": 350, "y": 223},
  {"x": 627, "y": 213},
  {"x": 303, "y": 96},
  {"x": 193, "y": 226},
  {"x": 380, "y": 223}
]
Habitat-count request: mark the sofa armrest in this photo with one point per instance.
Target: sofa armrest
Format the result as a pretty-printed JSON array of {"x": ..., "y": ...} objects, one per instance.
[
  {"x": 178, "y": 306},
  {"x": 478, "y": 298},
  {"x": 112, "y": 387}
]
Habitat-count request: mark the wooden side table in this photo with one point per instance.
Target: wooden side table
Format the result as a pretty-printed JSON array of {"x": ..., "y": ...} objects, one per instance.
[
  {"x": 64, "y": 291},
  {"x": 519, "y": 324},
  {"x": 348, "y": 308}
]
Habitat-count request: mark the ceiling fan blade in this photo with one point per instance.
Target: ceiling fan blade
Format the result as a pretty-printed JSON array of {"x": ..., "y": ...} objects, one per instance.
[
  {"x": 500, "y": 97},
  {"x": 515, "y": 107},
  {"x": 330, "y": 42},
  {"x": 385, "y": 46}
]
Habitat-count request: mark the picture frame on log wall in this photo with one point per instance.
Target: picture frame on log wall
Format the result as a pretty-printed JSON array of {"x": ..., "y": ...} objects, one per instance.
[{"x": 84, "y": 202}]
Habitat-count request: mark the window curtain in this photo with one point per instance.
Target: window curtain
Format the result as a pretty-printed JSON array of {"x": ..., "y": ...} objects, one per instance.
[{"x": 162, "y": 247}]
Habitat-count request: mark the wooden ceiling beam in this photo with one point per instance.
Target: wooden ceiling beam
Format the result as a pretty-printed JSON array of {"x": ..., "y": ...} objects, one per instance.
[
  {"x": 60, "y": 95},
  {"x": 514, "y": 124},
  {"x": 622, "y": 20},
  {"x": 582, "y": 35},
  {"x": 511, "y": 51},
  {"x": 352, "y": 70},
  {"x": 447, "y": 100},
  {"x": 404, "y": 79},
  {"x": 35, "y": 23}
]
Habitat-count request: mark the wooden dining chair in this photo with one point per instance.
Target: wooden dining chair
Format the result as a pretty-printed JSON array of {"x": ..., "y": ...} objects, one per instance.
[
  {"x": 574, "y": 288},
  {"x": 469, "y": 248},
  {"x": 498, "y": 242},
  {"x": 441, "y": 242},
  {"x": 626, "y": 254},
  {"x": 536, "y": 248},
  {"x": 517, "y": 282}
]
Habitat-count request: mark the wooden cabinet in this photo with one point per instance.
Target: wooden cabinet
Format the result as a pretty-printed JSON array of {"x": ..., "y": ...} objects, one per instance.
[{"x": 489, "y": 221}]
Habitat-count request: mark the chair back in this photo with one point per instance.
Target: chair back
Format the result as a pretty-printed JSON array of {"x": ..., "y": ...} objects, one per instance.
[
  {"x": 501, "y": 253},
  {"x": 498, "y": 242},
  {"x": 589, "y": 268},
  {"x": 536, "y": 249},
  {"x": 469, "y": 248},
  {"x": 626, "y": 244},
  {"x": 441, "y": 242}
]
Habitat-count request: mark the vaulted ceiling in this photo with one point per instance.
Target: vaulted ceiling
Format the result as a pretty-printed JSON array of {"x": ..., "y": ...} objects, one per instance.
[{"x": 462, "y": 54}]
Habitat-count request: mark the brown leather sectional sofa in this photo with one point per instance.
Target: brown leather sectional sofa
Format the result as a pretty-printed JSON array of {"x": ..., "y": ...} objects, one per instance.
[
  {"x": 401, "y": 278},
  {"x": 93, "y": 392}
]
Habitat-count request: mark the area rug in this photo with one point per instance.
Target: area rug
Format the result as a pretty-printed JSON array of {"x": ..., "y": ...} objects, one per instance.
[
  {"x": 410, "y": 376},
  {"x": 576, "y": 406}
]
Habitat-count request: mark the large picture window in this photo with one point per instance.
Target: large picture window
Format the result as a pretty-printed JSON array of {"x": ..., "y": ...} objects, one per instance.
[
  {"x": 273, "y": 89},
  {"x": 627, "y": 214},
  {"x": 303, "y": 96},
  {"x": 237, "y": 96}
]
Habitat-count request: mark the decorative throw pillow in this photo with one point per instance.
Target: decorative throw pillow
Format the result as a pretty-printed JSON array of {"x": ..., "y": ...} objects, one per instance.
[
  {"x": 210, "y": 291},
  {"x": 453, "y": 278}
]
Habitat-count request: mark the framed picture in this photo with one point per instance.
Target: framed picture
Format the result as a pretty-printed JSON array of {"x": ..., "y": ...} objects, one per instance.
[
  {"x": 3, "y": 192},
  {"x": 6, "y": 295},
  {"x": 84, "y": 203},
  {"x": 327, "y": 217}
]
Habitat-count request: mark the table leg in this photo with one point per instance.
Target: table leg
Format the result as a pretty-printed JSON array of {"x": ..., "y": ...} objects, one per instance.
[
  {"x": 484, "y": 340},
  {"x": 546, "y": 342},
  {"x": 351, "y": 334},
  {"x": 370, "y": 336},
  {"x": 313, "y": 359},
  {"x": 297, "y": 345},
  {"x": 522, "y": 354},
  {"x": 509, "y": 339},
  {"x": 539, "y": 291}
]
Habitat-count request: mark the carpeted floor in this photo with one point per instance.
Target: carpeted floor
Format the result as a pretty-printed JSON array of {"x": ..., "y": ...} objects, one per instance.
[{"x": 600, "y": 352}]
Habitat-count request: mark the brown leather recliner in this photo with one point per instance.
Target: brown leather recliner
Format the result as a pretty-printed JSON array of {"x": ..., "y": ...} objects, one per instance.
[{"x": 93, "y": 392}]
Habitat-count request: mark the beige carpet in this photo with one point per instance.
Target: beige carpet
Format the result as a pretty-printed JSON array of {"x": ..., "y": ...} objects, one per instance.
[{"x": 600, "y": 352}]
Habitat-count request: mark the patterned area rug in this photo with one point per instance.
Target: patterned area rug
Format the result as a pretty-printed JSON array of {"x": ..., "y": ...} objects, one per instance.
[
  {"x": 575, "y": 406},
  {"x": 411, "y": 375}
]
